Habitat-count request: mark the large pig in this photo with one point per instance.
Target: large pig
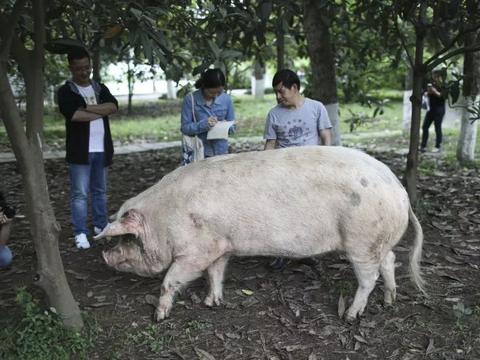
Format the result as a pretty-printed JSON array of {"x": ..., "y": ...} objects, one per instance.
[{"x": 294, "y": 202}]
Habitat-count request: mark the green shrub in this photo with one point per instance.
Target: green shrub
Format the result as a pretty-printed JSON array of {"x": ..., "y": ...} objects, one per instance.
[{"x": 40, "y": 334}]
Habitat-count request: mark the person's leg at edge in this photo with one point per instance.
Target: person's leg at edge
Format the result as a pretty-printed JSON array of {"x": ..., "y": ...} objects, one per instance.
[
  {"x": 98, "y": 189},
  {"x": 438, "y": 129},
  {"x": 79, "y": 184},
  {"x": 426, "y": 125}
]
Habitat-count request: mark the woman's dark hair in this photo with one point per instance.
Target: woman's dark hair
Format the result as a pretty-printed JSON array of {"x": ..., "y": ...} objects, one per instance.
[
  {"x": 77, "y": 53},
  {"x": 287, "y": 78},
  {"x": 210, "y": 78}
]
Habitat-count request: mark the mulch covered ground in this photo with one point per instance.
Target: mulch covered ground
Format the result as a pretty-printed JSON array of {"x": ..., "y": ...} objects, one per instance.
[{"x": 289, "y": 314}]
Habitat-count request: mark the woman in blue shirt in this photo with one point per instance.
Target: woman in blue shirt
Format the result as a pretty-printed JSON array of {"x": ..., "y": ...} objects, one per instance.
[{"x": 211, "y": 104}]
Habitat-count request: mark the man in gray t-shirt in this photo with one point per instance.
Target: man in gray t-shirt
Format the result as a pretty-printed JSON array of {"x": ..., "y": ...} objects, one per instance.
[{"x": 296, "y": 120}]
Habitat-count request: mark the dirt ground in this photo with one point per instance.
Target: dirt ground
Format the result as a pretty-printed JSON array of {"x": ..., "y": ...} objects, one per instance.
[{"x": 289, "y": 314}]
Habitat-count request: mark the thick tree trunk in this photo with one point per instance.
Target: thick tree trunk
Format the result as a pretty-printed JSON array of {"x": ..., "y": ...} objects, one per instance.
[
  {"x": 280, "y": 46},
  {"x": 258, "y": 86},
  {"x": 322, "y": 59},
  {"x": 44, "y": 228},
  {"x": 407, "y": 104},
  {"x": 410, "y": 176},
  {"x": 96, "y": 65},
  {"x": 468, "y": 132},
  {"x": 471, "y": 89},
  {"x": 171, "y": 91},
  {"x": 130, "y": 81}
]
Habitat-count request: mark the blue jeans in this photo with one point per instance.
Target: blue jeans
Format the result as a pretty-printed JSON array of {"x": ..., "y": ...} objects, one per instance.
[
  {"x": 84, "y": 179},
  {"x": 5, "y": 256}
]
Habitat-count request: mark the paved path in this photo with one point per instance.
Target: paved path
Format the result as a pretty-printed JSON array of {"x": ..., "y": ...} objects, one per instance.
[
  {"x": 147, "y": 146},
  {"x": 124, "y": 149}
]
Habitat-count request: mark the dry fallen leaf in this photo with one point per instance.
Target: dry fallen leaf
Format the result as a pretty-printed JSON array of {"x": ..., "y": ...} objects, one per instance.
[
  {"x": 360, "y": 339},
  {"x": 203, "y": 355},
  {"x": 430, "y": 347},
  {"x": 341, "y": 306},
  {"x": 151, "y": 300},
  {"x": 247, "y": 292}
]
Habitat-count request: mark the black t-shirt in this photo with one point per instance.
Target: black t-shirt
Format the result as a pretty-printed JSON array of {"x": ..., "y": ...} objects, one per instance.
[{"x": 437, "y": 102}]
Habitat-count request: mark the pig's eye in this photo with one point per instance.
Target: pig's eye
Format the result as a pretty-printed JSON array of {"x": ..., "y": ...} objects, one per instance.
[{"x": 128, "y": 238}]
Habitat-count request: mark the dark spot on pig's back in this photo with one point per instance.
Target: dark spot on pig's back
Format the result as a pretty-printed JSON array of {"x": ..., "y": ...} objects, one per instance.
[
  {"x": 364, "y": 182},
  {"x": 196, "y": 220},
  {"x": 355, "y": 198}
]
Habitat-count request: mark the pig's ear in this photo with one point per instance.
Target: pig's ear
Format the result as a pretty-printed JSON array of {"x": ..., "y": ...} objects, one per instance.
[{"x": 130, "y": 222}]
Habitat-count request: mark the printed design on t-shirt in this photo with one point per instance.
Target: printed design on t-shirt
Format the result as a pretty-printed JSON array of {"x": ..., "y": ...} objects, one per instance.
[
  {"x": 294, "y": 130},
  {"x": 90, "y": 100}
]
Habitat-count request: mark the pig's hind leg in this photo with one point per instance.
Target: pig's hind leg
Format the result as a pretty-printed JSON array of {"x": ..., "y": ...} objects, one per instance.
[
  {"x": 367, "y": 274},
  {"x": 215, "y": 273},
  {"x": 387, "y": 269}
]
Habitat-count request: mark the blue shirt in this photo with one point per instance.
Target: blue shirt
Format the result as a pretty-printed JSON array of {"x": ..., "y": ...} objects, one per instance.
[{"x": 221, "y": 107}]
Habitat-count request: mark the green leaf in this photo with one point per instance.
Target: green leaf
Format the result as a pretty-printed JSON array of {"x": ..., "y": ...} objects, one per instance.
[
  {"x": 214, "y": 47},
  {"x": 230, "y": 54},
  {"x": 137, "y": 13}
]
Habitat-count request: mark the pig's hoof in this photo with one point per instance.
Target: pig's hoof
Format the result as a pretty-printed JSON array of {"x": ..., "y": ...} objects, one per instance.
[
  {"x": 350, "y": 319},
  {"x": 210, "y": 301},
  {"x": 161, "y": 313},
  {"x": 389, "y": 296},
  {"x": 351, "y": 315}
]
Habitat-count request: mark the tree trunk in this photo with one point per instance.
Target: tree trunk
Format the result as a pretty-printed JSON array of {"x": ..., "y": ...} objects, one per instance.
[
  {"x": 96, "y": 64},
  {"x": 322, "y": 59},
  {"x": 280, "y": 45},
  {"x": 130, "y": 81},
  {"x": 468, "y": 132},
  {"x": 471, "y": 89},
  {"x": 44, "y": 228},
  {"x": 407, "y": 104},
  {"x": 410, "y": 176},
  {"x": 259, "y": 81},
  {"x": 171, "y": 91}
]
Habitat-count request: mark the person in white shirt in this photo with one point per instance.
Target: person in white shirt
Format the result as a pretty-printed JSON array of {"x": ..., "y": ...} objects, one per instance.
[{"x": 86, "y": 105}]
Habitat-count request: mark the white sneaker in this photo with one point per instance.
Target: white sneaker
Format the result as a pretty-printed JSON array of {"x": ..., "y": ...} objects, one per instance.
[
  {"x": 81, "y": 241},
  {"x": 436, "y": 150},
  {"x": 97, "y": 230}
]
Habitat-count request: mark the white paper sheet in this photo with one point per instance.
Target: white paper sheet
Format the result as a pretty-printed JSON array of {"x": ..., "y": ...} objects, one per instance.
[{"x": 220, "y": 130}]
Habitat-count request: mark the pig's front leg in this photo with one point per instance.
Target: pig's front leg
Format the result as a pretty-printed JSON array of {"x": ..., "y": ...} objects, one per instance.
[
  {"x": 179, "y": 274},
  {"x": 216, "y": 272}
]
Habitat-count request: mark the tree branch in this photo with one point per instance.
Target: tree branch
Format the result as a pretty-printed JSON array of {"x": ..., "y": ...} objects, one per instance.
[
  {"x": 451, "y": 44},
  {"x": 9, "y": 28},
  {"x": 439, "y": 60},
  {"x": 402, "y": 39},
  {"x": 39, "y": 27}
]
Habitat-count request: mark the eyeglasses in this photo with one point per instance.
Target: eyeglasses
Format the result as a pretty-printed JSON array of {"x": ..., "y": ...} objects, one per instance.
[{"x": 86, "y": 68}]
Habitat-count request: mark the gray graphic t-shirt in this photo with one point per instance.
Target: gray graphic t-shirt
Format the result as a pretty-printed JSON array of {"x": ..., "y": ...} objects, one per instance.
[{"x": 297, "y": 127}]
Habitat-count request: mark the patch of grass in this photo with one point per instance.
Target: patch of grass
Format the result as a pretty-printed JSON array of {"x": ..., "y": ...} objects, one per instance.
[
  {"x": 466, "y": 316},
  {"x": 40, "y": 334},
  {"x": 196, "y": 325},
  {"x": 152, "y": 337},
  {"x": 427, "y": 167},
  {"x": 369, "y": 120},
  {"x": 159, "y": 120}
]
